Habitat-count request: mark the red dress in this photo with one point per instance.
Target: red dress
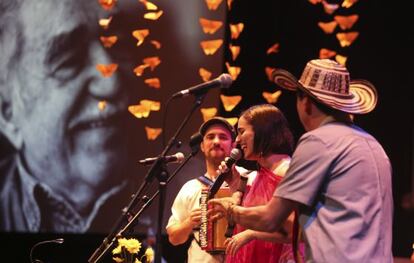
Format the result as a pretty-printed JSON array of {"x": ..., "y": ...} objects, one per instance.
[{"x": 259, "y": 193}]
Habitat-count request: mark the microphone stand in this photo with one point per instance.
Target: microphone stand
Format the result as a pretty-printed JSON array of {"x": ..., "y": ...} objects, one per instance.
[{"x": 158, "y": 169}]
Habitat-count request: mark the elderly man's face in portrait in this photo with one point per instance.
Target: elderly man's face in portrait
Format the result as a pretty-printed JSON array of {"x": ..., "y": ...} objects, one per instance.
[{"x": 57, "y": 90}]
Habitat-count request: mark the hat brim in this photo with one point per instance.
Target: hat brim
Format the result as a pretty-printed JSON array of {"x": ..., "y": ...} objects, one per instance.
[{"x": 362, "y": 99}]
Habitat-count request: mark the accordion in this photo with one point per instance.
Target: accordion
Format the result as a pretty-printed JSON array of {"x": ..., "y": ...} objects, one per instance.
[{"x": 212, "y": 234}]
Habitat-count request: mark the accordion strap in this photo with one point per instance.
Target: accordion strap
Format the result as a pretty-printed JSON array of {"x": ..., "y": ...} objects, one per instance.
[{"x": 205, "y": 180}]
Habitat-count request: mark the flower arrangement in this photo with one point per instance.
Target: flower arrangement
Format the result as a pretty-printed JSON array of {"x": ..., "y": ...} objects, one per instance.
[{"x": 127, "y": 252}]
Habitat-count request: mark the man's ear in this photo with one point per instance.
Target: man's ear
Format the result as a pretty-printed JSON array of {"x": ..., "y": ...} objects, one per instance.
[
  {"x": 308, "y": 105},
  {"x": 7, "y": 127}
]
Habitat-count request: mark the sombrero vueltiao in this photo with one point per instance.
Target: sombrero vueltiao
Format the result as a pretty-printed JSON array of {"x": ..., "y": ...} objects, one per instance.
[{"x": 329, "y": 83}]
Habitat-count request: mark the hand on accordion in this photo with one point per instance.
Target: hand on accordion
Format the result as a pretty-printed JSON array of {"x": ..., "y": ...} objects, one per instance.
[
  {"x": 220, "y": 208},
  {"x": 195, "y": 217}
]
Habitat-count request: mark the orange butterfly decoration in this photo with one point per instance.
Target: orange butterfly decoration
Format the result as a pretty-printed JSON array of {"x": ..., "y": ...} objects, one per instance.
[
  {"x": 236, "y": 29},
  {"x": 139, "y": 111},
  {"x": 153, "y": 15},
  {"x": 314, "y": 2},
  {"x": 329, "y": 8},
  {"x": 140, "y": 35},
  {"x": 151, "y": 104},
  {"x": 107, "y": 70},
  {"x": 156, "y": 44},
  {"x": 348, "y": 3},
  {"x": 102, "y": 105},
  {"x": 210, "y": 26},
  {"x": 233, "y": 71},
  {"x": 153, "y": 62},
  {"x": 235, "y": 51},
  {"x": 211, "y": 46},
  {"x": 326, "y": 53},
  {"x": 208, "y": 113},
  {"x": 341, "y": 59},
  {"x": 107, "y": 4},
  {"x": 139, "y": 70},
  {"x": 346, "y": 39},
  {"x": 153, "y": 83},
  {"x": 104, "y": 22},
  {"x": 328, "y": 27},
  {"x": 152, "y": 133},
  {"x": 108, "y": 41},
  {"x": 213, "y": 4},
  {"x": 229, "y": 4},
  {"x": 346, "y": 22},
  {"x": 149, "y": 5},
  {"x": 232, "y": 121},
  {"x": 273, "y": 49},
  {"x": 204, "y": 74},
  {"x": 268, "y": 72},
  {"x": 230, "y": 102},
  {"x": 271, "y": 98}
]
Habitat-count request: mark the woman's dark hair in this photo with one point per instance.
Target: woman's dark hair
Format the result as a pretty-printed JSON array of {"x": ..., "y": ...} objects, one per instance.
[{"x": 271, "y": 130}]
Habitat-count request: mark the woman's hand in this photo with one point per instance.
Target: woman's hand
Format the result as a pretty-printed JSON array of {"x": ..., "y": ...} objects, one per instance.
[{"x": 234, "y": 243}]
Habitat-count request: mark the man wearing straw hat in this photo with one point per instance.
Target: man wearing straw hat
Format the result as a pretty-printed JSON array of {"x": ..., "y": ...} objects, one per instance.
[{"x": 339, "y": 179}]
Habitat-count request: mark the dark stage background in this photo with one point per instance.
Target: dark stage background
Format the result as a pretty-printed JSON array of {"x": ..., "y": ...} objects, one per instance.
[{"x": 382, "y": 54}]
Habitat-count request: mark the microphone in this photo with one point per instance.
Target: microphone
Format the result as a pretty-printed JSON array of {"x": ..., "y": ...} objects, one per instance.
[
  {"x": 235, "y": 155},
  {"x": 176, "y": 158},
  {"x": 56, "y": 241},
  {"x": 223, "y": 81}
]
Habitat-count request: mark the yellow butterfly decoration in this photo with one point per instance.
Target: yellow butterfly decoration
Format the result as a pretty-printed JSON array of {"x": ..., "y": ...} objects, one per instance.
[
  {"x": 236, "y": 29},
  {"x": 213, "y": 4},
  {"x": 153, "y": 62},
  {"x": 140, "y": 35},
  {"x": 108, "y": 41},
  {"x": 233, "y": 71},
  {"x": 326, "y": 53},
  {"x": 204, "y": 74},
  {"x": 268, "y": 72},
  {"x": 106, "y": 70},
  {"x": 156, "y": 44},
  {"x": 101, "y": 105},
  {"x": 153, "y": 15},
  {"x": 152, "y": 133},
  {"x": 271, "y": 97},
  {"x": 139, "y": 70},
  {"x": 346, "y": 22},
  {"x": 153, "y": 83},
  {"x": 104, "y": 22},
  {"x": 149, "y": 5},
  {"x": 328, "y": 27},
  {"x": 210, "y": 26},
  {"x": 346, "y": 39},
  {"x": 208, "y": 113},
  {"x": 107, "y": 4},
  {"x": 230, "y": 102},
  {"x": 151, "y": 104},
  {"x": 232, "y": 121},
  {"x": 348, "y": 3},
  {"x": 211, "y": 46},
  {"x": 341, "y": 59},
  {"x": 139, "y": 111},
  {"x": 235, "y": 51},
  {"x": 273, "y": 49},
  {"x": 329, "y": 8}
]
